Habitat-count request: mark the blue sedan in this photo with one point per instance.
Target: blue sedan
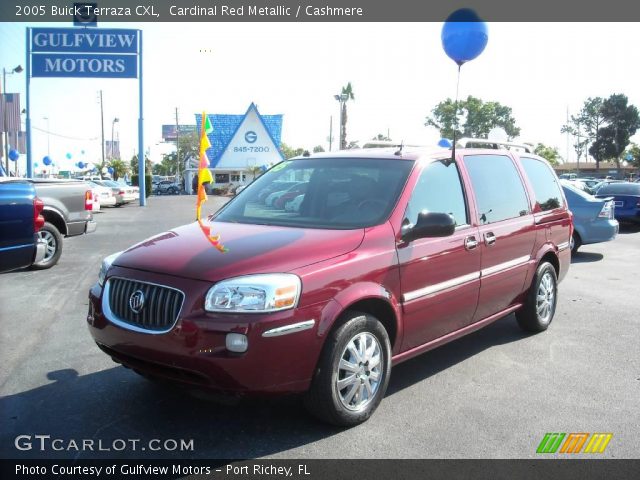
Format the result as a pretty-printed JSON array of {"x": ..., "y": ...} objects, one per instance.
[
  {"x": 626, "y": 197},
  {"x": 593, "y": 218}
]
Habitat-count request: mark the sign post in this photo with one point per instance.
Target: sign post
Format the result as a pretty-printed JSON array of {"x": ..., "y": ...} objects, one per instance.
[{"x": 86, "y": 53}]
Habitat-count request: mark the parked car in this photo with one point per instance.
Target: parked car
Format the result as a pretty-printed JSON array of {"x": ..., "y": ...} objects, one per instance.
[
  {"x": 626, "y": 197},
  {"x": 67, "y": 212},
  {"x": 20, "y": 219},
  {"x": 294, "y": 205},
  {"x": 593, "y": 219},
  {"x": 123, "y": 193},
  {"x": 239, "y": 188},
  {"x": 290, "y": 194},
  {"x": 105, "y": 195},
  {"x": 279, "y": 186},
  {"x": 389, "y": 255},
  {"x": 168, "y": 187}
]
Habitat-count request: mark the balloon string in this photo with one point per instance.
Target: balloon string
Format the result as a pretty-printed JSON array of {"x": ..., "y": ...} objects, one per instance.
[{"x": 455, "y": 118}]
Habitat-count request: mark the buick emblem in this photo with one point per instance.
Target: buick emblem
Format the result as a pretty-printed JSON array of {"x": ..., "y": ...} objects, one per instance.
[{"x": 136, "y": 301}]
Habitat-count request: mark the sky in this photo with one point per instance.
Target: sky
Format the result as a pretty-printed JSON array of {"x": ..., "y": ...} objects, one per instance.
[{"x": 398, "y": 71}]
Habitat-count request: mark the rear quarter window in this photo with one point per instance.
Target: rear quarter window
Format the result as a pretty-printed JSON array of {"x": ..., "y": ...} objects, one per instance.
[{"x": 544, "y": 183}]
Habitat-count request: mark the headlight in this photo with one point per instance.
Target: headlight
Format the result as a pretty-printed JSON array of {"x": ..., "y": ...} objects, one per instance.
[
  {"x": 106, "y": 265},
  {"x": 268, "y": 292}
]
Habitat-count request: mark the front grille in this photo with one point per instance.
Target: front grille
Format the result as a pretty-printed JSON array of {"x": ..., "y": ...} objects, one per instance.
[{"x": 161, "y": 304}]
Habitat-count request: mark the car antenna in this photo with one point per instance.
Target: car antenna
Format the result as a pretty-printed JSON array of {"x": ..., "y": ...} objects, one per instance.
[{"x": 399, "y": 151}]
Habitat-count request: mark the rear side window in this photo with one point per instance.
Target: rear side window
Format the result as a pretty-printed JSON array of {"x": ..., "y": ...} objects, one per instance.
[
  {"x": 620, "y": 189},
  {"x": 438, "y": 190},
  {"x": 544, "y": 183},
  {"x": 498, "y": 188}
]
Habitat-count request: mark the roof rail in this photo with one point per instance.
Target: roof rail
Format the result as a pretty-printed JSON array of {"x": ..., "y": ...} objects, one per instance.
[{"x": 464, "y": 143}]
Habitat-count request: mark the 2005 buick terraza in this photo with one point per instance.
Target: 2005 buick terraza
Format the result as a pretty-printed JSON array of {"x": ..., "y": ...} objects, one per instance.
[{"x": 385, "y": 255}]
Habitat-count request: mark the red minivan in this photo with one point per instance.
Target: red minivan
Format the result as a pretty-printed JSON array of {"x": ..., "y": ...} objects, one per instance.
[{"x": 387, "y": 254}]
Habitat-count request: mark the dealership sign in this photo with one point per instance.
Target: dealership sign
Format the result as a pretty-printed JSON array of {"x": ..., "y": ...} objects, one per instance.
[{"x": 97, "y": 53}]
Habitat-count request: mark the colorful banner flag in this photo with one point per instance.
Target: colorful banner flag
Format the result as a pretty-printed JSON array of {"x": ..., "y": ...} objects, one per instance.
[
  {"x": 10, "y": 112},
  {"x": 204, "y": 176}
]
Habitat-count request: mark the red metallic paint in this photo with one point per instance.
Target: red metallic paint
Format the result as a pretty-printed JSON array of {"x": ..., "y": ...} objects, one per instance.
[{"x": 339, "y": 270}]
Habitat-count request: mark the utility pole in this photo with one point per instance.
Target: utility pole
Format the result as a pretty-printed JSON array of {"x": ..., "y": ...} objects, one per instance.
[
  {"x": 177, "y": 147},
  {"x": 330, "y": 131},
  {"x": 102, "y": 127}
]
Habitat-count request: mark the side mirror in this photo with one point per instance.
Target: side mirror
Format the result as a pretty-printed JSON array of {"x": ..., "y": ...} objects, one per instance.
[{"x": 429, "y": 224}]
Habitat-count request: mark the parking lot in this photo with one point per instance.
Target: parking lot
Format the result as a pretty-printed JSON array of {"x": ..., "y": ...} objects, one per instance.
[{"x": 492, "y": 394}]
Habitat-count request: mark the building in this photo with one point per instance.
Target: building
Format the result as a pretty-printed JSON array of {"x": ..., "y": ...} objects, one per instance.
[
  {"x": 239, "y": 143},
  {"x": 607, "y": 169}
]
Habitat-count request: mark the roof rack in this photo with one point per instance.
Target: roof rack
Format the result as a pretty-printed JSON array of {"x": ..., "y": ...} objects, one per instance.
[{"x": 465, "y": 142}]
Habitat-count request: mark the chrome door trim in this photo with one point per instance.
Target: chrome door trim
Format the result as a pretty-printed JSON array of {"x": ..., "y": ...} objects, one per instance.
[
  {"x": 516, "y": 262},
  {"x": 287, "y": 329},
  {"x": 438, "y": 287}
]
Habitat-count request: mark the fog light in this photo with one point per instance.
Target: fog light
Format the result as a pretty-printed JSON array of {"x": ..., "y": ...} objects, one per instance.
[{"x": 236, "y": 342}]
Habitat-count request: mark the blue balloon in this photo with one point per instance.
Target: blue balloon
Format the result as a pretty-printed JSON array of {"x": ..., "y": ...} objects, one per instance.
[
  {"x": 464, "y": 36},
  {"x": 68, "y": 156},
  {"x": 14, "y": 155},
  {"x": 82, "y": 152},
  {"x": 47, "y": 161},
  {"x": 35, "y": 165},
  {"x": 444, "y": 143},
  {"x": 81, "y": 165},
  {"x": 111, "y": 170}
]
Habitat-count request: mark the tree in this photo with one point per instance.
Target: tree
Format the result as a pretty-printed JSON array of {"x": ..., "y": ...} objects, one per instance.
[
  {"x": 289, "y": 152},
  {"x": 120, "y": 169},
  {"x": 550, "y": 154},
  {"x": 189, "y": 146},
  {"x": 478, "y": 118},
  {"x": 382, "y": 138},
  {"x": 623, "y": 121},
  {"x": 318, "y": 149},
  {"x": 347, "y": 94},
  {"x": 134, "y": 165},
  {"x": 255, "y": 171},
  {"x": 585, "y": 127},
  {"x": 634, "y": 153}
]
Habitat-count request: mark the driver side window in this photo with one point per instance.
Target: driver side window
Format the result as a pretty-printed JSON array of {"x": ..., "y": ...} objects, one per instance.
[{"x": 438, "y": 190}]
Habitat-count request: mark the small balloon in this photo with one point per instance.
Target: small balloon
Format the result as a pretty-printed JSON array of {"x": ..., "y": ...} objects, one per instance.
[
  {"x": 81, "y": 165},
  {"x": 464, "y": 35},
  {"x": 69, "y": 156},
  {"x": 444, "y": 143},
  {"x": 82, "y": 152},
  {"x": 110, "y": 170},
  {"x": 35, "y": 165},
  {"x": 14, "y": 154},
  {"x": 47, "y": 161}
]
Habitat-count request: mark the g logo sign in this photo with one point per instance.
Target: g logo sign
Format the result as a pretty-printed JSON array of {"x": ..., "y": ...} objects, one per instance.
[{"x": 250, "y": 136}]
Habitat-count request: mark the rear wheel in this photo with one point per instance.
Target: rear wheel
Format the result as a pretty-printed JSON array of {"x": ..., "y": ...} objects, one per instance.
[
  {"x": 537, "y": 312},
  {"x": 52, "y": 237},
  {"x": 353, "y": 372},
  {"x": 575, "y": 243}
]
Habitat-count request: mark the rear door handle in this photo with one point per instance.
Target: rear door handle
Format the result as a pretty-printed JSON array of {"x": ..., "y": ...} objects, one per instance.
[
  {"x": 489, "y": 239},
  {"x": 470, "y": 242}
]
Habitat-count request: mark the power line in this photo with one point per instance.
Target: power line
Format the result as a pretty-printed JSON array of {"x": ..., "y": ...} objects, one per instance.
[{"x": 63, "y": 136}]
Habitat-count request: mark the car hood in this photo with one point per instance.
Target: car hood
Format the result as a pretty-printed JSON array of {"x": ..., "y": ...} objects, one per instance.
[{"x": 186, "y": 252}]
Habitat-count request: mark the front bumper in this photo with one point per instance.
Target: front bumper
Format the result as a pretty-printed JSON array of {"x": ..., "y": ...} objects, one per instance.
[{"x": 194, "y": 352}]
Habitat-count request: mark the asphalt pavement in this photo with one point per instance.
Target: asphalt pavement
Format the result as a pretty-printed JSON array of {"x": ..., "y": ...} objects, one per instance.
[{"x": 492, "y": 394}]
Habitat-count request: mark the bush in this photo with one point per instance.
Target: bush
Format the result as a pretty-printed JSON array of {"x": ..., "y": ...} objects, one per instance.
[{"x": 147, "y": 183}]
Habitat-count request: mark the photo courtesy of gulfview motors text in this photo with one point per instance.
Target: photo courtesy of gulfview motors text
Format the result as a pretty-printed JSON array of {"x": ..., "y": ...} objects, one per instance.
[{"x": 318, "y": 240}]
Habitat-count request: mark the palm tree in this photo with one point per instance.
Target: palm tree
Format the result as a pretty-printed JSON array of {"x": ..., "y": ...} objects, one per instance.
[
  {"x": 347, "y": 94},
  {"x": 120, "y": 168}
]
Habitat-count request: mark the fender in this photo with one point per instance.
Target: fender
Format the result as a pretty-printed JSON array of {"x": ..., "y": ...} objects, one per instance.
[
  {"x": 356, "y": 293},
  {"x": 58, "y": 213}
]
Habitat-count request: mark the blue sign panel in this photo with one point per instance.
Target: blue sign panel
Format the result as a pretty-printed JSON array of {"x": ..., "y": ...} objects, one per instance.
[
  {"x": 77, "y": 66},
  {"x": 107, "y": 40}
]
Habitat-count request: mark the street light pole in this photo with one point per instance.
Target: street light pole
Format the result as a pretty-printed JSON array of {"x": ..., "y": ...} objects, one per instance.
[
  {"x": 102, "y": 130},
  {"x": 115, "y": 120},
  {"x": 48, "y": 149}
]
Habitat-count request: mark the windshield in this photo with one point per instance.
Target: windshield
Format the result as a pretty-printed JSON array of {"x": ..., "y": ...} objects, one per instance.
[{"x": 336, "y": 193}]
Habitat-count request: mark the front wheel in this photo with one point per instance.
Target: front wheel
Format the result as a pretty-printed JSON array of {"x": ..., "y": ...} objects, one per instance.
[
  {"x": 540, "y": 306},
  {"x": 353, "y": 372},
  {"x": 575, "y": 243},
  {"x": 52, "y": 237}
]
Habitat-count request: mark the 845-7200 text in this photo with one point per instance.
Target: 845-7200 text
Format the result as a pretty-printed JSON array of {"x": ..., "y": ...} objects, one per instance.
[{"x": 250, "y": 149}]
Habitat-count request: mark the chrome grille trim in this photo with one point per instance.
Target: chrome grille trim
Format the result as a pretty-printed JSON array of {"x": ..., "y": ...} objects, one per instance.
[{"x": 161, "y": 311}]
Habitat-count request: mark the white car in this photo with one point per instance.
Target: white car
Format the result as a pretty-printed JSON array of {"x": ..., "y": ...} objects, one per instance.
[{"x": 105, "y": 195}]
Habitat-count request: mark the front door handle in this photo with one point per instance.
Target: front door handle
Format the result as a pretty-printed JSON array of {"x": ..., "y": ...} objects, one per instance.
[
  {"x": 489, "y": 239},
  {"x": 470, "y": 242}
]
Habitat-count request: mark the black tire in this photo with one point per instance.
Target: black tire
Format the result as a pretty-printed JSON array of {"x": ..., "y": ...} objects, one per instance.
[
  {"x": 171, "y": 191},
  {"x": 53, "y": 237},
  {"x": 576, "y": 242},
  {"x": 536, "y": 316},
  {"x": 332, "y": 404}
]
